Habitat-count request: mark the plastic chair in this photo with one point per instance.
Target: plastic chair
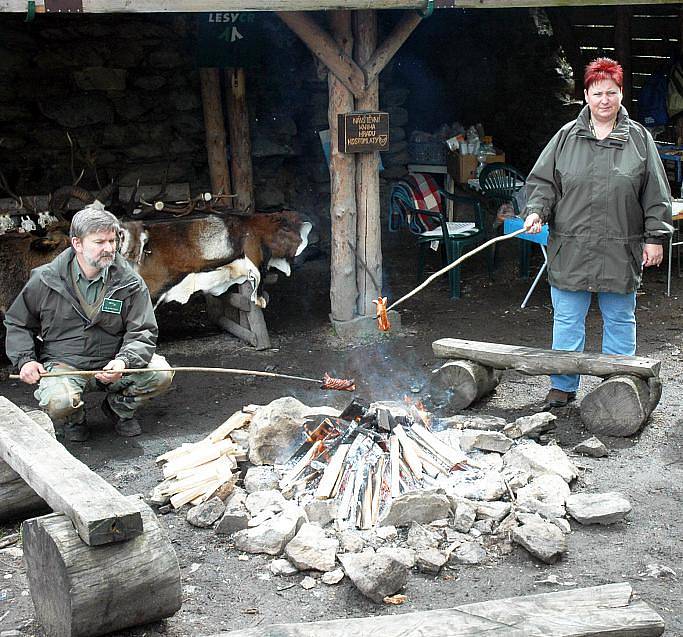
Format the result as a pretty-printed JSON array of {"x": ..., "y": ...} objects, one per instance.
[
  {"x": 500, "y": 184},
  {"x": 451, "y": 236}
]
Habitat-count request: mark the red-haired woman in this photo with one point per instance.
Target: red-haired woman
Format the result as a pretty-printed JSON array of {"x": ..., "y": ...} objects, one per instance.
[{"x": 601, "y": 187}]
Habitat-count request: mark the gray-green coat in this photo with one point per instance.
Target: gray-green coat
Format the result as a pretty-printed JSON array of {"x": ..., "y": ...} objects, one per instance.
[
  {"x": 602, "y": 200},
  {"x": 47, "y": 307}
]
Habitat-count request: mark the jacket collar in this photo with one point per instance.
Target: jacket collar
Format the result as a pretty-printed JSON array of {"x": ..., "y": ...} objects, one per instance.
[
  {"x": 57, "y": 276},
  {"x": 618, "y": 137}
]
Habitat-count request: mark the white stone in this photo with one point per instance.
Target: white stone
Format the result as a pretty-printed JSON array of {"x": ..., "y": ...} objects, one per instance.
[
  {"x": 465, "y": 514},
  {"x": 321, "y": 512},
  {"x": 542, "y": 539},
  {"x": 591, "y": 447},
  {"x": 374, "y": 575},
  {"x": 260, "y": 478},
  {"x": 308, "y": 583},
  {"x": 257, "y": 501},
  {"x": 405, "y": 556},
  {"x": 598, "y": 508},
  {"x": 495, "y": 511},
  {"x": 205, "y": 514},
  {"x": 416, "y": 506},
  {"x": 531, "y": 426},
  {"x": 333, "y": 577},
  {"x": 545, "y": 495},
  {"x": 276, "y": 430},
  {"x": 484, "y": 440},
  {"x": 423, "y": 537},
  {"x": 474, "y": 485},
  {"x": 386, "y": 533},
  {"x": 537, "y": 459},
  {"x": 468, "y": 553},
  {"x": 271, "y": 537},
  {"x": 282, "y": 566},
  {"x": 430, "y": 560},
  {"x": 311, "y": 549},
  {"x": 350, "y": 541}
]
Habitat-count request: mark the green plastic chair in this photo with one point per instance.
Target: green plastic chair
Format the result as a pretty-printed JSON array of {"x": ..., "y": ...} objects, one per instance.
[
  {"x": 452, "y": 243},
  {"x": 499, "y": 183}
]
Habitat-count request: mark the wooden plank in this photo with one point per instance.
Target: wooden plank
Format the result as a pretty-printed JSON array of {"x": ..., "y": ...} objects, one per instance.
[
  {"x": 657, "y": 27},
  {"x": 582, "y": 612},
  {"x": 192, "y": 6},
  {"x": 662, "y": 48},
  {"x": 534, "y": 361},
  {"x": 98, "y": 511},
  {"x": 331, "y": 474}
]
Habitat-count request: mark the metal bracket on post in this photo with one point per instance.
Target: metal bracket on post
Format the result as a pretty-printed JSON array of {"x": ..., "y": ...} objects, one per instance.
[
  {"x": 428, "y": 10},
  {"x": 30, "y": 11}
]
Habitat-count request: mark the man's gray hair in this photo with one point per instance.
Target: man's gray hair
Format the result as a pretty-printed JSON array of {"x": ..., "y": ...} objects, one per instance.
[{"x": 93, "y": 218}]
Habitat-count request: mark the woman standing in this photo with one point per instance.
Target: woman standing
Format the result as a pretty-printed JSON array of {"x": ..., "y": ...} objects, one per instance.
[{"x": 601, "y": 187}]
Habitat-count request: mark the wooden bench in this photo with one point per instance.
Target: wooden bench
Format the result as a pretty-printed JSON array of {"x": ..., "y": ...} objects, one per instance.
[
  {"x": 619, "y": 406},
  {"x": 97, "y": 545}
]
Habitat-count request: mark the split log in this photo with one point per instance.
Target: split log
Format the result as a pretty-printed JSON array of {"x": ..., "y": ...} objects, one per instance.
[
  {"x": 17, "y": 499},
  {"x": 581, "y": 612},
  {"x": 79, "y": 590},
  {"x": 534, "y": 361},
  {"x": 98, "y": 511},
  {"x": 620, "y": 405},
  {"x": 460, "y": 383}
]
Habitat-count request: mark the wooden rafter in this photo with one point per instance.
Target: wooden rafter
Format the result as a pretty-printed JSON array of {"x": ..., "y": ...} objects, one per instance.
[
  {"x": 201, "y": 6},
  {"x": 323, "y": 46}
]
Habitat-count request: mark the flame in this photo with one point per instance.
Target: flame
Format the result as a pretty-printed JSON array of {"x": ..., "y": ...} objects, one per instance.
[{"x": 418, "y": 409}]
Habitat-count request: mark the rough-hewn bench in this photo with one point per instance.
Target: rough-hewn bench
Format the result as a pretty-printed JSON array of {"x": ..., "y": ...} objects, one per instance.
[
  {"x": 619, "y": 406},
  {"x": 101, "y": 562}
]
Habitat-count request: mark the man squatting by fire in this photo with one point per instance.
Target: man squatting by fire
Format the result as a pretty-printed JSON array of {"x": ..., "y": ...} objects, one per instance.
[{"x": 86, "y": 310}]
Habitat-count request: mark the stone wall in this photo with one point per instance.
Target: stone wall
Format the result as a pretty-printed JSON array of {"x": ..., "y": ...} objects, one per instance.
[{"x": 126, "y": 89}]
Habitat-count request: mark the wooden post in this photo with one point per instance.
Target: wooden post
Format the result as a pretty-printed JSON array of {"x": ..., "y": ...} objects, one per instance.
[
  {"x": 98, "y": 511},
  {"x": 343, "y": 284},
  {"x": 368, "y": 226},
  {"x": 240, "y": 140},
  {"x": 82, "y": 591},
  {"x": 622, "y": 43},
  {"x": 215, "y": 131}
]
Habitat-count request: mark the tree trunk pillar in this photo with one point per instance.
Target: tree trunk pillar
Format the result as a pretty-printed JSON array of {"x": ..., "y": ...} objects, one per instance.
[
  {"x": 343, "y": 285},
  {"x": 214, "y": 127},
  {"x": 368, "y": 227},
  {"x": 240, "y": 140}
]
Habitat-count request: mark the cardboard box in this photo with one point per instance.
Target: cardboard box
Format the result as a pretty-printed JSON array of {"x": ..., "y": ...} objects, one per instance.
[{"x": 464, "y": 167}]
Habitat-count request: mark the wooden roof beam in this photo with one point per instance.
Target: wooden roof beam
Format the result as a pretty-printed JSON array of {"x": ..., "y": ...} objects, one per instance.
[
  {"x": 200, "y": 6},
  {"x": 324, "y": 47}
]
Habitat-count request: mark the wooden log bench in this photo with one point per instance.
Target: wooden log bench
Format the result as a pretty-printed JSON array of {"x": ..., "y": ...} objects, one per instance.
[
  {"x": 82, "y": 591},
  {"x": 619, "y": 406},
  {"x": 99, "y": 512},
  {"x": 102, "y": 562},
  {"x": 18, "y": 500}
]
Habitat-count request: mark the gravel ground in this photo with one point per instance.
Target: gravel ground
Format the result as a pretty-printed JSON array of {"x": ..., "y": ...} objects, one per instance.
[{"x": 222, "y": 590}]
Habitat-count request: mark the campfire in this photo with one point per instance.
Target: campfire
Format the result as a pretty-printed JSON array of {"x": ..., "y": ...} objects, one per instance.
[
  {"x": 369, "y": 456},
  {"x": 381, "y": 488}
]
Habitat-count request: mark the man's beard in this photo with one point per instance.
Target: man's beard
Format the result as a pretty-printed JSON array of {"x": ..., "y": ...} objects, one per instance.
[{"x": 102, "y": 262}]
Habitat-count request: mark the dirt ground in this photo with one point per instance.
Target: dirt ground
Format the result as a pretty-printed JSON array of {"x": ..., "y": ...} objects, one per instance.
[{"x": 223, "y": 592}]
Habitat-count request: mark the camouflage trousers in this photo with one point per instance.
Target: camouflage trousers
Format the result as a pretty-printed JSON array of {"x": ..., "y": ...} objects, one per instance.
[{"x": 61, "y": 396}]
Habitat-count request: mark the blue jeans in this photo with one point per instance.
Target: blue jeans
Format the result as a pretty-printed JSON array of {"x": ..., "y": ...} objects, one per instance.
[{"x": 569, "y": 326}]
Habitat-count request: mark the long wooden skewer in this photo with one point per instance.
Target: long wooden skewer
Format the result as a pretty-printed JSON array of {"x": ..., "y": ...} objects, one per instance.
[
  {"x": 327, "y": 382},
  {"x": 455, "y": 263}
]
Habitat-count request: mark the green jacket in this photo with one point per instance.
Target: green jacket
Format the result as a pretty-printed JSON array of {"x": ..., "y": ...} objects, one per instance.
[
  {"x": 47, "y": 308},
  {"x": 602, "y": 199}
]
